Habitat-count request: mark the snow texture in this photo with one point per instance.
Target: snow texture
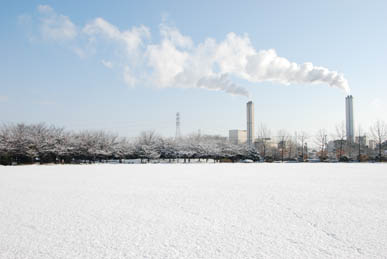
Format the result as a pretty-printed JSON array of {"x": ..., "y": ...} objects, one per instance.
[{"x": 194, "y": 211}]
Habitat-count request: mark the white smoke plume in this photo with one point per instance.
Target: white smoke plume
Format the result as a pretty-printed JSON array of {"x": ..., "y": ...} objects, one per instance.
[
  {"x": 222, "y": 83},
  {"x": 54, "y": 26},
  {"x": 176, "y": 61},
  {"x": 267, "y": 66}
]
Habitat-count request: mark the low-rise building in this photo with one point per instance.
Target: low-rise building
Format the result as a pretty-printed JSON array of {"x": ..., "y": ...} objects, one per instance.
[
  {"x": 237, "y": 137},
  {"x": 371, "y": 144}
]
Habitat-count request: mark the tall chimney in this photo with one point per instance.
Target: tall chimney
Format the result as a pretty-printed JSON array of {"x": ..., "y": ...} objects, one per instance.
[
  {"x": 349, "y": 118},
  {"x": 250, "y": 123}
]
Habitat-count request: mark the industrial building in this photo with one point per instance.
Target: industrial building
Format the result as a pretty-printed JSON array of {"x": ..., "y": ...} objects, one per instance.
[
  {"x": 244, "y": 136},
  {"x": 237, "y": 137},
  {"x": 250, "y": 122},
  {"x": 349, "y": 119}
]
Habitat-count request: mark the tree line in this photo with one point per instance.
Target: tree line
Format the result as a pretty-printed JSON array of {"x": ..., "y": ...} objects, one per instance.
[
  {"x": 30, "y": 143},
  {"x": 365, "y": 146}
]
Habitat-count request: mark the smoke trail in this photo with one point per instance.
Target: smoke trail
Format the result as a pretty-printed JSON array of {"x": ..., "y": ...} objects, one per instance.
[
  {"x": 236, "y": 55},
  {"x": 266, "y": 65},
  {"x": 223, "y": 83},
  {"x": 176, "y": 61}
]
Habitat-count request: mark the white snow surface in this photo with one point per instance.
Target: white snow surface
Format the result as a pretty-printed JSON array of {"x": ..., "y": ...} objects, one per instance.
[{"x": 194, "y": 211}]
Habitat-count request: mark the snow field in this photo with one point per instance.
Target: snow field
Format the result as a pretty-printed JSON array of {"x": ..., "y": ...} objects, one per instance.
[{"x": 194, "y": 211}]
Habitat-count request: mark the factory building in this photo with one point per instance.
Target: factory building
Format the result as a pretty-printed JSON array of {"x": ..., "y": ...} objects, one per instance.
[
  {"x": 237, "y": 137},
  {"x": 250, "y": 122}
]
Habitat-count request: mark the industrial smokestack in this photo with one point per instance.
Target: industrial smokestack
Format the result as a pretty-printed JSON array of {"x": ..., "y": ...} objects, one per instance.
[
  {"x": 250, "y": 122},
  {"x": 349, "y": 118}
]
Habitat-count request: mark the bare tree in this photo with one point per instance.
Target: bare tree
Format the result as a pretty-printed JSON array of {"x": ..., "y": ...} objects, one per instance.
[
  {"x": 359, "y": 140},
  {"x": 379, "y": 133},
  {"x": 340, "y": 135},
  {"x": 283, "y": 137},
  {"x": 292, "y": 145},
  {"x": 302, "y": 137},
  {"x": 321, "y": 142},
  {"x": 264, "y": 135},
  {"x": 296, "y": 144}
]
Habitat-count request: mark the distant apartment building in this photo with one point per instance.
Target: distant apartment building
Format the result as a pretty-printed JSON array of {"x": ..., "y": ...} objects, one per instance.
[{"x": 237, "y": 137}]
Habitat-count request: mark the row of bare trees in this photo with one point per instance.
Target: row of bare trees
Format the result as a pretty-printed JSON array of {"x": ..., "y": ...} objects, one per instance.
[
  {"x": 282, "y": 146},
  {"x": 23, "y": 144},
  {"x": 285, "y": 146}
]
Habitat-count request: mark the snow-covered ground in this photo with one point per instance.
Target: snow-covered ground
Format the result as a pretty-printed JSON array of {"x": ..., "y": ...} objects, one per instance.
[{"x": 194, "y": 211}]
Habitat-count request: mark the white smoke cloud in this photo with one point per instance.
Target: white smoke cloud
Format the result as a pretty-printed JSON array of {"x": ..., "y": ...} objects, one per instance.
[
  {"x": 56, "y": 26},
  {"x": 222, "y": 83},
  {"x": 266, "y": 65},
  {"x": 166, "y": 62},
  {"x": 131, "y": 39},
  {"x": 129, "y": 78},
  {"x": 175, "y": 61}
]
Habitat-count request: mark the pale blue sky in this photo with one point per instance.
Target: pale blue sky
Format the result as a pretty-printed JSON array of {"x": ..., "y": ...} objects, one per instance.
[{"x": 44, "y": 80}]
